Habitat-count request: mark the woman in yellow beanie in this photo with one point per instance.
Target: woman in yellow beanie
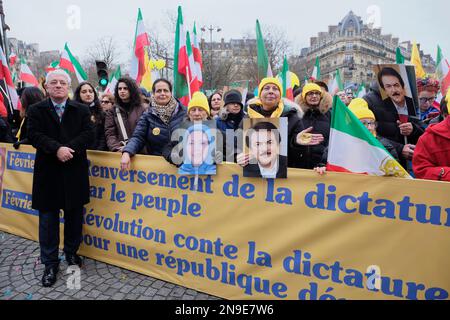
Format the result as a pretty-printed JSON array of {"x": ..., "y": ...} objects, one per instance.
[
  {"x": 198, "y": 108},
  {"x": 198, "y": 111},
  {"x": 270, "y": 104}
]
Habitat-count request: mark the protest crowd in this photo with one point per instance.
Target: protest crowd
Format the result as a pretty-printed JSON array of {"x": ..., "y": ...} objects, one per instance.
[{"x": 127, "y": 119}]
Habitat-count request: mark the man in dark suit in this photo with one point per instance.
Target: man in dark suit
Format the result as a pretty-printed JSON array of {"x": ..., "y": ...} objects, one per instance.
[
  {"x": 396, "y": 116},
  {"x": 60, "y": 130},
  {"x": 263, "y": 141}
]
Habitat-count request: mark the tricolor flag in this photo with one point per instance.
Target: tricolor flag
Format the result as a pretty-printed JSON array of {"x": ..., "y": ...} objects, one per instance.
[
  {"x": 141, "y": 41},
  {"x": 361, "y": 91},
  {"x": 354, "y": 149},
  {"x": 26, "y": 75},
  {"x": 70, "y": 63},
  {"x": 286, "y": 80},
  {"x": 198, "y": 66},
  {"x": 194, "y": 84},
  {"x": 12, "y": 59},
  {"x": 399, "y": 58},
  {"x": 442, "y": 71},
  {"x": 415, "y": 60},
  {"x": 336, "y": 83},
  {"x": 52, "y": 67},
  {"x": 5, "y": 76},
  {"x": 316, "y": 72},
  {"x": 113, "y": 81},
  {"x": 264, "y": 68},
  {"x": 181, "y": 62},
  {"x": 3, "y": 110}
]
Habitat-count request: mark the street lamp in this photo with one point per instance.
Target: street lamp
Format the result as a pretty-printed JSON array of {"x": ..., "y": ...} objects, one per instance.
[{"x": 211, "y": 29}]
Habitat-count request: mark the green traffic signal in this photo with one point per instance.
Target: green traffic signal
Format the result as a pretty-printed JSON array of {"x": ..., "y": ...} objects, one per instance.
[{"x": 103, "y": 82}]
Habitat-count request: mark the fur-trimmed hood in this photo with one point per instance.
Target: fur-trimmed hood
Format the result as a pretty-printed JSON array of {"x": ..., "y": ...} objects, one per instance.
[
  {"x": 289, "y": 106},
  {"x": 325, "y": 104}
]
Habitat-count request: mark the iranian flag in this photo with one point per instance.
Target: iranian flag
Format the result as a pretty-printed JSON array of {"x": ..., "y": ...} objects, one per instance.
[
  {"x": 194, "y": 84},
  {"x": 181, "y": 62},
  {"x": 354, "y": 149},
  {"x": 361, "y": 91},
  {"x": 12, "y": 59},
  {"x": 399, "y": 58},
  {"x": 5, "y": 76},
  {"x": 336, "y": 84},
  {"x": 3, "y": 111},
  {"x": 316, "y": 72},
  {"x": 113, "y": 81},
  {"x": 141, "y": 41},
  {"x": 52, "y": 67},
  {"x": 443, "y": 71},
  {"x": 26, "y": 75},
  {"x": 286, "y": 81},
  {"x": 264, "y": 68},
  {"x": 70, "y": 63},
  {"x": 198, "y": 66}
]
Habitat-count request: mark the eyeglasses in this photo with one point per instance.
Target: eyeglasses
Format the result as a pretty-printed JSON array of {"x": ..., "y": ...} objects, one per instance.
[
  {"x": 370, "y": 123},
  {"x": 314, "y": 93},
  {"x": 106, "y": 102},
  {"x": 430, "y": 100}
]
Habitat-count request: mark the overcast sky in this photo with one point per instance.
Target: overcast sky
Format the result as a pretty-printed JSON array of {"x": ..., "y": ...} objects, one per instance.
[{"x": 46, "y": 21}]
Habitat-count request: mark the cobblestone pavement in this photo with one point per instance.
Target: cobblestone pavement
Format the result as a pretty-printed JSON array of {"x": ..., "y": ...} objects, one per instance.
[{"x": 21, "y": 273}]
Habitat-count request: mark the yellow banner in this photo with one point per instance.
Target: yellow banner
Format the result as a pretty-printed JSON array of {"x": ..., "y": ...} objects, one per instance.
[{"x": 308, "y": 237}]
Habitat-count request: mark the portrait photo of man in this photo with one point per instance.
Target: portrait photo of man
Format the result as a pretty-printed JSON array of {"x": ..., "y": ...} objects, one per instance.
[
  {"x": 268, "y": 154},
  {"x": 397, "y": 90}
]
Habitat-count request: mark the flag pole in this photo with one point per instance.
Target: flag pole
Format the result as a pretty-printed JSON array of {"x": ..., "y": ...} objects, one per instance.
[
  {"x": 188, "y": 78},
  {"x": 6, "y": 94}
]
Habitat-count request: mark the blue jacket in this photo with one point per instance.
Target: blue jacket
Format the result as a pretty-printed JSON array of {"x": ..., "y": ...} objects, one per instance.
[{"x": 153, "y": 133}]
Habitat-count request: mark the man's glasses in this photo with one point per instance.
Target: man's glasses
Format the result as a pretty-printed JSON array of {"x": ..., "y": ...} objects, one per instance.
[{"x": 429, "y": 100}]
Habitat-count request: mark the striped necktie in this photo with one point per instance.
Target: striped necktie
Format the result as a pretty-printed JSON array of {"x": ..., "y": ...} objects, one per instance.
[{"x": 59, "y": 110}]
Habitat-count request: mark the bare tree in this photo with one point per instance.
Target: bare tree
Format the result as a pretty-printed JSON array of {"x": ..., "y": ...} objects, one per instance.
[
  {"x": 104, "y": 49},
  {"x": 277, "y": 47}
]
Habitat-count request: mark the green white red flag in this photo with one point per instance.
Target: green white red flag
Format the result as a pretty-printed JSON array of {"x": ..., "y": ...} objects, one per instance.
[
  {"x": 26, "y": 75},
  {"x": 198, "y": 65},
  {"x": 52, "y": 67},
  {"x": 286, "y": 80},
  {"x": 354, "y": 149},
  {"x": 12, "y": 59},
  {"x": 141, "y": 41},
  {"x": 361, "y": 91},
  {"x": 181, "y": 88},
  {"x": 5, "y": 75},
  {"x": 194, "y": 84},
  {"x": 70, "y": 63},
  {"x": 443, "y": 71},
  {"x": 113, "y": 81},
  {"x": 336, "y": 83},
  {"x": 316, "y": 72},
  {"x": 264, "y": 68}
]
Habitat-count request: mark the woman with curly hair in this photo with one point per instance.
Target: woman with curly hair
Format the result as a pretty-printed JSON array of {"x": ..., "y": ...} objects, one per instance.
[
  {"x": 156, "y": 126},
  {"x": 122, "y": 119}
]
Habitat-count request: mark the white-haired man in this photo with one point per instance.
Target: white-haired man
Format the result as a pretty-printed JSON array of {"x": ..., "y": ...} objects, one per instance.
[{"x": 60, "y": 130}]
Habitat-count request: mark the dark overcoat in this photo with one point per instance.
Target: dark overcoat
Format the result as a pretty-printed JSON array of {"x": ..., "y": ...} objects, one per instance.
[{"x": 58, "y": 185}]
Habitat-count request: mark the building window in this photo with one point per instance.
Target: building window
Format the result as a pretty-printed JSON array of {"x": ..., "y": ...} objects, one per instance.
[{"x": 349, "y": 46}]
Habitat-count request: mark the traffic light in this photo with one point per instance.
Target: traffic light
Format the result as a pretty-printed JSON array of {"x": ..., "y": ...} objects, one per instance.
[{"x": 102, "y": 73}]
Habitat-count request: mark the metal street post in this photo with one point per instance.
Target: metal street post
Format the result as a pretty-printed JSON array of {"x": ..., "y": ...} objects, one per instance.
[{"x": 211, "y": 28}]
